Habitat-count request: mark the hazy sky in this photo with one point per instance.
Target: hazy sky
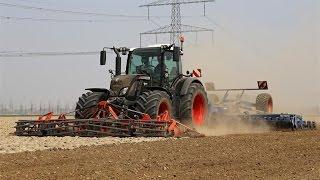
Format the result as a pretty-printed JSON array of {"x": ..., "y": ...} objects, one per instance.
[{"x": 275, "y": 40}]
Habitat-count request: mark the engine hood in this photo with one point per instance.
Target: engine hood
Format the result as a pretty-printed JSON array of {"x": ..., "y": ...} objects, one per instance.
[{"x": 119, "y": 82}]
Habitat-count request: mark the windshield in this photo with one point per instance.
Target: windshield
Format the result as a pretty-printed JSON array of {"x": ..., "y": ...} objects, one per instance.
[
  {"x": 144, "y": 61},
  {"x": 149, "y": 61}
]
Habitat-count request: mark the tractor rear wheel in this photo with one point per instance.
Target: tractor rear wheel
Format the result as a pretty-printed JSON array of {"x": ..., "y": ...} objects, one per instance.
[
  {"x": 194, "y": 105},
  {"x": 264, "y": 103},
  {"x": 154, "y": 103},
  {"x": 86, "y": 105}
]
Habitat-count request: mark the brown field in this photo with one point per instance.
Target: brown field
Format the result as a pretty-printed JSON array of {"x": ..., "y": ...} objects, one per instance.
[{"x": 270, "y": 155}]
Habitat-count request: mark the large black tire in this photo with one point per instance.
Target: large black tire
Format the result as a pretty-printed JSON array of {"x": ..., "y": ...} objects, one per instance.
[
  {"x": 194, "y": 106},
  {"x": 86, "y": 104},
  {"x": 264, "y": 103},
  {"x": 154, "y": 103}
]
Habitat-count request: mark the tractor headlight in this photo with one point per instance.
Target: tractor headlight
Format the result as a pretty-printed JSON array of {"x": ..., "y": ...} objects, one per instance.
[
  {"x": 146, "y": 78},
  {"x": 123, "y": 91}
]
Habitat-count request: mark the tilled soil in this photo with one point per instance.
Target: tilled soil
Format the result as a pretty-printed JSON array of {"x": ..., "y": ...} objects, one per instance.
[
  {"x": 274, "y": 155},
  {"x": 10, "y": 143}
]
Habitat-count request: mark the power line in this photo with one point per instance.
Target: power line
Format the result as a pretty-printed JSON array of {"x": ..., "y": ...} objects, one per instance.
[
  {"x": 10, "y": 51},
  {"x": 34, "y": 54},
  {"x": 32, "y": 1},
  {"x": 79, "y": 20},
  {"x": 62, "y": 20},
  {"x": 255, "y": 50},
  {"x": 216, "y": 24},
  {"x": 70, "y": 11},
  {"x": 169, "y": 2},
  {"x": 153, "y": 22}
]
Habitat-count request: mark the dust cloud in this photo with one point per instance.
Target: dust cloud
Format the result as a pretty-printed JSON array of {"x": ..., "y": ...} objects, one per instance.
[
  {"x": 229, "y": 67},
  {"x": 229, "y": 122},
  {"x": 232, "y": 125},
  {"x": 289, "y": 64}
]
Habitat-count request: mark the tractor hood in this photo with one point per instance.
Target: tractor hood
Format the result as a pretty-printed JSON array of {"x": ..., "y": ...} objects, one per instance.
[{"x": 120, "y": 82}]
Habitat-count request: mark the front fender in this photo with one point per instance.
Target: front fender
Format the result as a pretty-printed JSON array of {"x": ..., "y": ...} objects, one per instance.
[
  {"x": 99, "y": 90},
  {"x": 152, "y": 88}
]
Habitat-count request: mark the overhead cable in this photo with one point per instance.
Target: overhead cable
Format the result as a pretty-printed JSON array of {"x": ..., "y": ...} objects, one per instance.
[
  {"x": 33, "y": 54},
  {"x": 69, "y": 11},
  {"x": 63, "y": 20}
]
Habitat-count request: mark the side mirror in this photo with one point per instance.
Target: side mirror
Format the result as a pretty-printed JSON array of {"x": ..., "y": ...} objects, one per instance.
[
  {"x": 103, "y": 57},
  {"x": 176, "y": 54}
]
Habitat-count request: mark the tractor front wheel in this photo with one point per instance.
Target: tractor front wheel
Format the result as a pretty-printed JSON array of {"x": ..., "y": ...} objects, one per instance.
[
  {"x": 87, "y": 104},
  {"x": 154, "y": 103}
]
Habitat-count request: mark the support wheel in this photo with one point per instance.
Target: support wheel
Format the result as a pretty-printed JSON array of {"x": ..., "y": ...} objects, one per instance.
[
  {"x": 154, "y": 103},
  {"x": 264, "y": 103},
  {"x": 194, "y": 105},
  {"x": 86, "y": 105}
]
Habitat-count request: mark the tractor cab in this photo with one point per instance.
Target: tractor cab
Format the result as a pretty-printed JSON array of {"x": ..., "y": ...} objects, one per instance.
[
  {"x": 155, "y": 66},
  {"x": 161, "y": 63}
]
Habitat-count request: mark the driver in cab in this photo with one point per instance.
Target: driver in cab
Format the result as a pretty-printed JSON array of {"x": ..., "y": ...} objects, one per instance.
[{"x": 145, "y": 67}]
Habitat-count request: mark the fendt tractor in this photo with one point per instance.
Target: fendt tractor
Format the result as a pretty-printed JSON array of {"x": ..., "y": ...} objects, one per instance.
[
  {"x": 153, "y": 98},
  {"x": 152, "y": 84}
]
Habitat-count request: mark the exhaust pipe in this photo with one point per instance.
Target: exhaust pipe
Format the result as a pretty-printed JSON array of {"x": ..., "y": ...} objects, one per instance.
[{"x": 118, "y": 61}]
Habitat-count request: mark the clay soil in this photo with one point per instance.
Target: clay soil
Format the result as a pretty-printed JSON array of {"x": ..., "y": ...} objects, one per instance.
[{"x": 274, "y": 155}]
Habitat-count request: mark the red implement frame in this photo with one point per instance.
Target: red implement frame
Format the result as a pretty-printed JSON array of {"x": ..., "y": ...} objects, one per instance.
[{"x": 107, "y": 120}]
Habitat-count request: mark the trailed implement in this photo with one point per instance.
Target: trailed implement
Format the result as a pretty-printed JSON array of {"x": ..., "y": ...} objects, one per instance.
[{"x": 281, "y": 121}]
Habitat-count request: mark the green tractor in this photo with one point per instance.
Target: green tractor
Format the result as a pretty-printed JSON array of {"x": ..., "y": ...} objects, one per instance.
[{"x": 153, "y": 83}]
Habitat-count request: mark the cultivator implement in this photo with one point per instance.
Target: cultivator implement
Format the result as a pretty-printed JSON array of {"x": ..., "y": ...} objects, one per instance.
[
  {"x": 281, "y": 121},
  {"x": 94, "y": 128},
  {"x": 107, "y": 120}
]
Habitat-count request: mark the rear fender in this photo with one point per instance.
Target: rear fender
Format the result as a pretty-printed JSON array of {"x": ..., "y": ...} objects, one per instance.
[{"x": 187, "y": 83}]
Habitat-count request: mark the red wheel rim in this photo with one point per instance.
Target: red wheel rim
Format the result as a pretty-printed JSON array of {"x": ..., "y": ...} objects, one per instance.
[
  {"x": 198, "y": 109},
  {"x": 163, "y": 108}
]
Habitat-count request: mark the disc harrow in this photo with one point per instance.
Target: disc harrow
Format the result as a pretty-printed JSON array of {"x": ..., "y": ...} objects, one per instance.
[{"x": 107, "y": 120}]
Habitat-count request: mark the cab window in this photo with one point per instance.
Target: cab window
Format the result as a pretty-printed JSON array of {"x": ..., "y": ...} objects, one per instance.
[
  {"x": 171, "y": 65},
  {"x": 143, "y": 61}
]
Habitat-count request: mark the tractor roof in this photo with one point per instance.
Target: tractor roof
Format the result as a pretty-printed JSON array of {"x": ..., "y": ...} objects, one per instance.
[{"x": 153, "y": 46}]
